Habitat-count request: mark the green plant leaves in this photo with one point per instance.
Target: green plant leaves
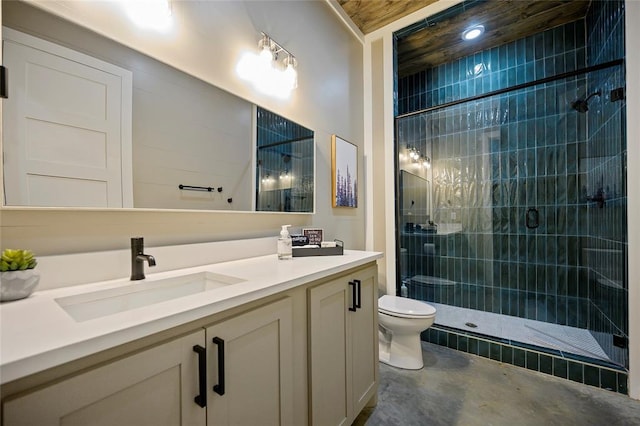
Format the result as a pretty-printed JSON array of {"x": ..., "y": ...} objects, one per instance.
[{"x": 17, "y": 260}]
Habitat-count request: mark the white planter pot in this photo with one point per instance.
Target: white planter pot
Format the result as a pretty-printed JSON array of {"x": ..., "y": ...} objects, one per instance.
[{"x": 16, "y": 285}]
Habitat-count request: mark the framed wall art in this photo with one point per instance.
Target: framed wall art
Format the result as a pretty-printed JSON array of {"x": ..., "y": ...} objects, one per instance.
[{"x": 344, "y": 173}]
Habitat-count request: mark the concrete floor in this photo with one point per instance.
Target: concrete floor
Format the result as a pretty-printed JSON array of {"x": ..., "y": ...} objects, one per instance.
[{"x": 456, "y": 388}]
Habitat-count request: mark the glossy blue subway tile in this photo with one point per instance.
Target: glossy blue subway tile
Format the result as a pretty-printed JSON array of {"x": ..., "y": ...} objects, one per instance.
[
  {"x": 463, "y": 343},
  {"x": 473, "y": 347},
  {"x": 483, "y": 348},
  {"x": 495, "y": 352},
  {"x": 452, "y": 341},
  {"x": 623, "y": 381},
  {"x": 533, "y": 361},
  {"x": 575, "y": 372},
  {"x": 560, "y": 367},
  {"x": 546, "y": 364},
  {"x": 591, "y": 375},
  {"x": 608, "y": 379}
]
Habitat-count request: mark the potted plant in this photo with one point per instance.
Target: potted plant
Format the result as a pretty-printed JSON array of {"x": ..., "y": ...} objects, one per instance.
[{"x": 18, "y": 277}]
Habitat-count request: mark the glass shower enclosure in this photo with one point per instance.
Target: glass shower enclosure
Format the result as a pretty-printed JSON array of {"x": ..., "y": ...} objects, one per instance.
[{"x": 511, "y": 207}]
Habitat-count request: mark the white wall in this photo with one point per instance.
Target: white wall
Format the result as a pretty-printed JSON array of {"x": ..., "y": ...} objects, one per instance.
[
  {"x": 377, "y": 238},
  {"x": 207, "y": 44},
  {"x": 199, "y": 136}
]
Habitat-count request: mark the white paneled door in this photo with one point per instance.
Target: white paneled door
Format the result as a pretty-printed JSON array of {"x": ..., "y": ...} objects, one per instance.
[{"x": 67, "y": 127}]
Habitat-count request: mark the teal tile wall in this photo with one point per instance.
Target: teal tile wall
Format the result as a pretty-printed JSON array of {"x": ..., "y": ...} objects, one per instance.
[
  {"x": 543, "y": 55},
  {"x": 565, "y": 366},
  {"x": 284, "y": 147},
  {"x": 494, "y": 159}
]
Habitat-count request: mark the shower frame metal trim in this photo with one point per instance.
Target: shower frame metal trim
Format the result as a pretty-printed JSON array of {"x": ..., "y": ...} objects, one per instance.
[{"x": 549, "y": 79}]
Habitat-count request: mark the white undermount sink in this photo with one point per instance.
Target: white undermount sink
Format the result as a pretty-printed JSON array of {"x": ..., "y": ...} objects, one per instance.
[{"x": 96, "y": 304}]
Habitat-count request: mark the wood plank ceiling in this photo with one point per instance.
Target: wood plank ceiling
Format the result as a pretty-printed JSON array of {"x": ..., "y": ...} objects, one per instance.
[
  {"x": 438, "y": 41},
  {"x": 370, "y": 15}
]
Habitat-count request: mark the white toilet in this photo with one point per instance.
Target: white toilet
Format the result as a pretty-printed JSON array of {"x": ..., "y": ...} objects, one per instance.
[{"x": 401, "y": 321}]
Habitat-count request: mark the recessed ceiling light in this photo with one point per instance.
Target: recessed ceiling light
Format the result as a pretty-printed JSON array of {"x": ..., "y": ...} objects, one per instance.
[{"x": 473, "y": 32}]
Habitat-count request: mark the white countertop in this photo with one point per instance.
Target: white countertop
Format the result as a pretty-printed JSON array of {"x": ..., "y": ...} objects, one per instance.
[{"x": 37, "y": 334}]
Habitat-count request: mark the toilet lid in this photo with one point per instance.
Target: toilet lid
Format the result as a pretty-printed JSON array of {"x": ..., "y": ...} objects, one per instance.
[{"x": 401, "y": 306}]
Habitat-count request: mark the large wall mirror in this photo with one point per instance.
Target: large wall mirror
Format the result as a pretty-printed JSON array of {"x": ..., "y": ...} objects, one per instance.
[{"x": 90, "y": 122}]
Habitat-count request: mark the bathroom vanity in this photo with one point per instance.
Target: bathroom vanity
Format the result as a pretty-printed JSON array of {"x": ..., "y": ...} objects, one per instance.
[{"x": 280, "y": 342}]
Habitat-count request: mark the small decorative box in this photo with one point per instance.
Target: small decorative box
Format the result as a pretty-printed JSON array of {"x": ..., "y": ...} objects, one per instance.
[{"x": 338, "y": 250}]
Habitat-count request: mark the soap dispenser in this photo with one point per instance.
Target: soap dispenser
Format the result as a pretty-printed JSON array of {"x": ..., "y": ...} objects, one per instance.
[
  {"x": 284, "y": 244},
  {"x": 404, "y": 291}
]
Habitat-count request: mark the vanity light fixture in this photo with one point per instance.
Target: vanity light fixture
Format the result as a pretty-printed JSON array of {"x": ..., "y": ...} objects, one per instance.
[
  {"x": 414, "y": 154},
  {"x": 473, "y": 32},
  {"x": 272, "y": 71},
  {"x": 266, "y": 51},
  {"x": 285, "y": 175},
  {"x": 418, "y": 159}
]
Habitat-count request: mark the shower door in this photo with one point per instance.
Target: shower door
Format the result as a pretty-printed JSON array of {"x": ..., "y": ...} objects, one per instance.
[{"x": 526, "y": 215}]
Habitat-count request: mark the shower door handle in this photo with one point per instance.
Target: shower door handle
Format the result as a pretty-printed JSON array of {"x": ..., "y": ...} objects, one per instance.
[
  {"x": 354, "y": 295},
  {"x": 532, "y": 218}
]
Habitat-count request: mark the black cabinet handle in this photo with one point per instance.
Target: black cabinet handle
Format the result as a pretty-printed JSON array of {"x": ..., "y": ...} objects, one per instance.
[
  {"x": 219, "y": 388},
  {"x": 359, "y": 299},
  {"x": 353, "y": 307},
  {"x": 201, "y": 399}
]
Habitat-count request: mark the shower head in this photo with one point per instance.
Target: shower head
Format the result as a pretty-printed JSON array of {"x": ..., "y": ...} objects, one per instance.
[{"x": 582, "y": 105}]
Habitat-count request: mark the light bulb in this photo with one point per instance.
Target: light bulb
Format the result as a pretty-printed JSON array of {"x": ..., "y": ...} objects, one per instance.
[
  {"x": 152, "y": 14},
  {"x": 473, "y": 32},
  {"x": 291, "y": 75},
  {"x": 266, "y": 55},
  {"x": 246, "y": 67}
]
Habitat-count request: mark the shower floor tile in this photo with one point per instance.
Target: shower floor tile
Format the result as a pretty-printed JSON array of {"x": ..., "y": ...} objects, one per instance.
[{"x": 554, "y": 336}]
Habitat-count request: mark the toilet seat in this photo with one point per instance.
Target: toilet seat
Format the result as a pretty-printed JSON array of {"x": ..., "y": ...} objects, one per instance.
[{"x": 404, "y": 308}]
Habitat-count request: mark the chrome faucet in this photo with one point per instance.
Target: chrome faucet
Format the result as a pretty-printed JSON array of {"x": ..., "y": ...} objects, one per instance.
[{"x": 138, "y": 257}]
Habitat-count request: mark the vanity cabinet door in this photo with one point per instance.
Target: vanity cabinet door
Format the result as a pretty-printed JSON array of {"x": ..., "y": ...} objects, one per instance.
[
  {"x": 154, "y": 387},
  {"x": 343, "y": 347},
  {"x": 250, "y": 363},
  {"x": 329, "y": 331},
  {"x": 364, "y": 340}
]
